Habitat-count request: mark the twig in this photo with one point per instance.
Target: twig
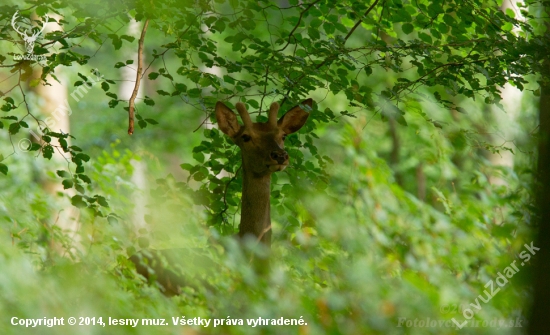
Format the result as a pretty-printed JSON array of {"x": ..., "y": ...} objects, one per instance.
[
  {"x": 298, "y": 23},
  {"x": 266, "y": 229},
  {"x": 132, "y": 102},
  {"x": 265, "y": 88},
  {"x": 317, "y": 67},
  {"x": 167, "y": 49},
  {"x": 225, "y": 192},
  {"x": 361, "y": 20},
  {"x": 203, "y": 122}
]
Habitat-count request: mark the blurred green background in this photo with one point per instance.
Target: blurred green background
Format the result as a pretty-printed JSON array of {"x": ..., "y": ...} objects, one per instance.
[{"x": 401, "y": 202}]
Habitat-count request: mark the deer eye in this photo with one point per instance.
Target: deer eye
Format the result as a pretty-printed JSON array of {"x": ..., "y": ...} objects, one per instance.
[
  {"x": 284, "y": 136},
  {"x": 246, "y": 138}
]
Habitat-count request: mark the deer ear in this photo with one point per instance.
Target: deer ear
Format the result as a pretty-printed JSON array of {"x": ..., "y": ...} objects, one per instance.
[
  {"x": 227, "y": 120},
  {"x": 295, "y": 118}
]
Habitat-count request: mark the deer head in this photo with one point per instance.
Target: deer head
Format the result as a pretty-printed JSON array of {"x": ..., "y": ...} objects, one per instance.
[
  {"x": 262, "y": 144},
  {"x": 262, "y": 150},
  {"x": 29, "y": 39}
]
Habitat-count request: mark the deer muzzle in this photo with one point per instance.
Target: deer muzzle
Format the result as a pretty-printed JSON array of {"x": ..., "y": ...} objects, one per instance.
[{"x": 279, "y": 156}]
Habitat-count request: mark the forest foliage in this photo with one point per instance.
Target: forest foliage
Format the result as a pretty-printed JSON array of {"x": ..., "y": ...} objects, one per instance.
[{"x": 410, "y": 186}]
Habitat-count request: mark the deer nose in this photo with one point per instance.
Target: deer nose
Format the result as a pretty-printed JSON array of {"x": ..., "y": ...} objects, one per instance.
[{"x": 280, "y": 156}]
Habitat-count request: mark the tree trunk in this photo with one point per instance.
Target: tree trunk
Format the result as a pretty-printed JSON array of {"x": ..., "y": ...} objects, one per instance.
[{"x": 539, "y": 320}]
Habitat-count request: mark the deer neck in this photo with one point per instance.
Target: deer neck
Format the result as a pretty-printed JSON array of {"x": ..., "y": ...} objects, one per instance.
[{"x": 255, "y": 213}]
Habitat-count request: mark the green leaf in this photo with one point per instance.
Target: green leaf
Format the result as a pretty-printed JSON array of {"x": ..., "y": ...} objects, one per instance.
[
  {"x": 151, "y": 121},
  {"x": 236, "y": 46},
  {"x": 3, "y": 169},
  {"x": 228, "y": 79},
  {"x": 127, "y": 38},
  {"x": 42, "y": 10},
  {"x": 148, "y": 101},
  {"x": 407, "y": 28},
  {"x": 181, "y": 87},
  {"x": 83, "y": 157},
  {"x": 63, "y": 174},
  {"x": 253, "y": 103},
  {"x": 143, "y": 242},
  {"x": 78, "y": 201},
  {"x": 67, "y": 183},
  {"x": 199, "y": 157},
  {"x": 84, "y": 178},
  {"x": 8, "y": 107},
  {"x": 449, "y": 20},
  {"x": 194, "y": 93},
  {"x": 63, "y": 143},
  {"x": 186, "y": 166},
  {"x": 315, "y": 23},
  {"x": 102, "y": 201},
  {"x": 425, "y": 37},
  {"x": 201, "y": 174},
  {"x": 116, "y": 41},
  {"x": 14, "y": 128},
  {"x": 79, "y": 188},
  {"x": 329, "y": 28},
  {"x": 313, "y": 33},
  {"x": 34, "y": 147},
  {"x": 34, "y": 82},
  {"x": 47, "y": 151}
]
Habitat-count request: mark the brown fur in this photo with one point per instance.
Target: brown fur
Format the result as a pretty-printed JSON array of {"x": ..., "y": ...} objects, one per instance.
[{"x": 262, "y": 150}]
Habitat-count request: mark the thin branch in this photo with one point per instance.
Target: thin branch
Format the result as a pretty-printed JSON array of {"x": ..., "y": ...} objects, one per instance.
[
  {"x": 203, "y": 122},
  {"x": 132, "y": 102},
  {"x": 167, "y": 49},
  {"x": 361, "y": 20},
  {"x": 298, "y": 23},
  {"x": 266, "y": 229},
  {"x": 225, "y": 192},
  {"x": 265, "y": 88},
  {"x": 331, "y": 57}
]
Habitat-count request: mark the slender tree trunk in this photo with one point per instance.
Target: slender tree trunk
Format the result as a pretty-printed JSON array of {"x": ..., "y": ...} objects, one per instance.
[
  {"x": 539, "y": 320},
  {"x": 54, "y": 105}
]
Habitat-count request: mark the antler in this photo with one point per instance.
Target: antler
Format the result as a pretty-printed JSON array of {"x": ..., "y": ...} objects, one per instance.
[
  {"x": 43, "y": 26},
  {"x": 13, "y": 19},
  {"x": 244, "y": 115},
  {"x": 272, "y": 115}
]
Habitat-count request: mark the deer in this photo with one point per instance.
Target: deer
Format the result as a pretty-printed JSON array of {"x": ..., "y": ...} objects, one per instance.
[{"x": 263, "y": 153}]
